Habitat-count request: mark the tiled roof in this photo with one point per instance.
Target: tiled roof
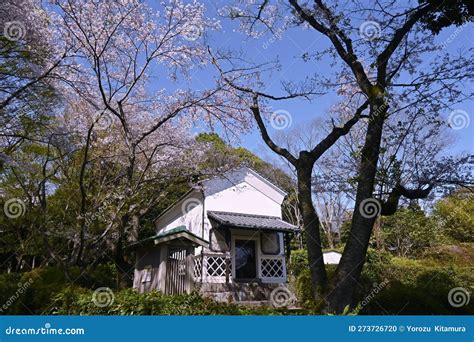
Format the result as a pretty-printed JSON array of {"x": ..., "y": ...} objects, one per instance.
[
  {"x": 251, "y": 221},
  {"x": 179, "y": 231}
]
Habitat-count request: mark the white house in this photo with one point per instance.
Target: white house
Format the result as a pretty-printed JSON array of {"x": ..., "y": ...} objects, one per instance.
[
  {"x": 332, "y": 257},
  {"x": 224, "y": 238}
]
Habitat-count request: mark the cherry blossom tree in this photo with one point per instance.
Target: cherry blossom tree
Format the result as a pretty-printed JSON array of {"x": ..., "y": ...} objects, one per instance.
[{"x": 124, "y": 51}]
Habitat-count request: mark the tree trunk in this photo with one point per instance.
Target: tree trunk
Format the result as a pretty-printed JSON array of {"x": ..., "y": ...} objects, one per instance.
[
  {"x": 350, "y": 267},
  {"x": 313, "y": 238},
  {"x": 124, "y": 269}
]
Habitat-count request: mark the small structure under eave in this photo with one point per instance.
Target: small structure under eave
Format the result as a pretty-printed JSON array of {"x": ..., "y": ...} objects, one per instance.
[{"x": 225, "y": 238}]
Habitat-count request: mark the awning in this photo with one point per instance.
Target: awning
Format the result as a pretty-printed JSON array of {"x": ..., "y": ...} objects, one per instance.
[
  {"x": 249, "y": 221},
  {"x": 178, "y": 234}
]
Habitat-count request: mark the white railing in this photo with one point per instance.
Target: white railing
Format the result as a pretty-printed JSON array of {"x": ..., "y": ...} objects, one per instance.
[
  {"x": 272, "y": 268},
  {"x": 217, "y": 268},
  {"x": 197, "y": 267},
  {"x": 214, "y": 268}
]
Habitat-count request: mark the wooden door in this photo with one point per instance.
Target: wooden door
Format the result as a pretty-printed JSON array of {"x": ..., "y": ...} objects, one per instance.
[{"x": 177, "y": 277}]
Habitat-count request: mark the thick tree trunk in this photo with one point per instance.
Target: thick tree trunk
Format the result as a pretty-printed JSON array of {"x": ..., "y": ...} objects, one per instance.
[
  {"x": 349, "y": 269},
  {"x": 313, "y": 238}
]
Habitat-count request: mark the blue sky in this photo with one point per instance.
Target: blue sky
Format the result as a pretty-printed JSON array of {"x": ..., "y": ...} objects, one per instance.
[{"x": 288, "y": 51}]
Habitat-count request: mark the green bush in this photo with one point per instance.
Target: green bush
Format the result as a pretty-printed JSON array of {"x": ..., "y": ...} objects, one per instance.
[
  {"x": 376, "y": 263},
  {"x": 9, "y": 284},
  {"x": 298, "y": 262},
  {"x": 304, "y": 292},
  {"x": 32, "y": 292},
  {"x": 394, "y": 285},
  {"x": 77, "y": 301},
  {"x": 418, "y": 287}
]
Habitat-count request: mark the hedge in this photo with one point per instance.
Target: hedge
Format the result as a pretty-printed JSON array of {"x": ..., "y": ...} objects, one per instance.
[
  {"x": 79, "y": 301},
  {"x": 392, "y": 285}
]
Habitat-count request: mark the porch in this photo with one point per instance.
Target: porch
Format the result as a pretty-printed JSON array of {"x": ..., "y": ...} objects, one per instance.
[
  {"x": 218, "y": 268},
  {"x": 244, "y": 249}
]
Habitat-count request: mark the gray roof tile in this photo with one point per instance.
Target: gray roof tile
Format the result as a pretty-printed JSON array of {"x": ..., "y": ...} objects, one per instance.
[{"x": 251, "y": 221}]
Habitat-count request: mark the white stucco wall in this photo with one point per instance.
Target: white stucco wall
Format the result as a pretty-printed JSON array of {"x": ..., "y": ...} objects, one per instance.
[
  {"x": 187, "y": 212},
  {"x": 240, "y": 191}
]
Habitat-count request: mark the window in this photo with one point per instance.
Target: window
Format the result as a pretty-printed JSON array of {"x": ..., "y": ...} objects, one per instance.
[
  {"x": 218, "y": 243},
  {"x": 245, "y": 259},
  {"x": 270, "y": 243}
]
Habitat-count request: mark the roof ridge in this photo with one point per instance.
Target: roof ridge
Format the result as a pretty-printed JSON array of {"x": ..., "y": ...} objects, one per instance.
[{"x": 243, "y": 214}]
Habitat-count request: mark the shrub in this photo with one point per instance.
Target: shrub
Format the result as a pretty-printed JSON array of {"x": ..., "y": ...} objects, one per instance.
[
  {"x": 32, "y": 292},
  {"x": 419, "y": 287},
  {"x": 298, "y": 262},
  {"x": 76, "y": 301}
]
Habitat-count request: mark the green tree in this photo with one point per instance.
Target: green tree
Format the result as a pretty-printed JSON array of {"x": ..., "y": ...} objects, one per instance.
[
  {"x": 455, "y": 216},
  {"x": 409, "y": 231}
]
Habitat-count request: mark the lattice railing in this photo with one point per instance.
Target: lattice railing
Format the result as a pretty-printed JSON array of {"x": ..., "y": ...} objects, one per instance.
[
  {"x": 197, "y": 267},
  {"x": 216, "y": 267},
  {"x": 273, "y": 268}
]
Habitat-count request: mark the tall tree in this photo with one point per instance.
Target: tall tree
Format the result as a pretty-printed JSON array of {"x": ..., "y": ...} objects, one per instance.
[{"x": 382, "y": 58}]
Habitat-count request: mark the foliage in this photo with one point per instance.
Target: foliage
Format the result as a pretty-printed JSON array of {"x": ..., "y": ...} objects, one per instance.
[
  {"x": 298, "y": 262},
  {"x": 409, "y": 231},
  {"x": 40, "y": 285},
  {"x": 406, "y": 286},
  {"x": 414, "y": 286},
  {"x": 447, "y": 13},
  {"x": 417, "y": 287},
  {"x": 455, "y": 216},
  {"x": 129, "y": 302}
]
